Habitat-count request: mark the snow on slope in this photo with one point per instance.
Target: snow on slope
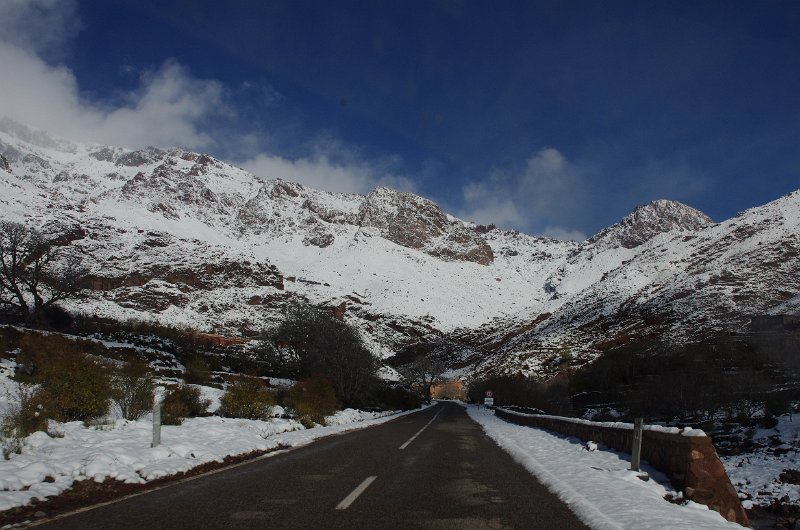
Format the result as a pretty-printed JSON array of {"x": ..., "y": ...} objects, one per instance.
[
  {"x": 757, "y": 474},
  {"x": 143, "y": 210},
  {"x": 677, "y": 286},
  {"x": 184, "y": 238}
]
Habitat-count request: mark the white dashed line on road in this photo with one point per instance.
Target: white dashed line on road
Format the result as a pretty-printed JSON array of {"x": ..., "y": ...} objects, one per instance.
[
  {"x": 418, "y": 433},
  {"x": 347, "y": 501}
]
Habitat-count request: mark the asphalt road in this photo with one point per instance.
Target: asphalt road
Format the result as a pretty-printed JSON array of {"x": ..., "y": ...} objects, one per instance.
[{"x": 431, "y": 469}]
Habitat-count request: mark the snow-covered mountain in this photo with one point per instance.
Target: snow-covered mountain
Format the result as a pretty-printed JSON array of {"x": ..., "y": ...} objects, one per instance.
[
  {"x": 680, "y": 285},
  {"x": 184, "y": 238}
]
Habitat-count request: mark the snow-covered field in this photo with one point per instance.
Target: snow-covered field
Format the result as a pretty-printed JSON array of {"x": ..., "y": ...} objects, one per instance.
[{"x": 596, "y": 483}]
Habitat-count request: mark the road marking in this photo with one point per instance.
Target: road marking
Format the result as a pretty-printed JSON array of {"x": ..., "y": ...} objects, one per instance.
[
  {"x": 418, "y": 433},
  {"x": 170, "y": 484},
  {"x": 177, "y": 482},
  {"x": 347, "y": 501}
]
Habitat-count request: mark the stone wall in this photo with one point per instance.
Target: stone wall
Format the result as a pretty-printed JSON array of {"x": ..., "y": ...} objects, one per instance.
[{"x": 691, "y": 462}]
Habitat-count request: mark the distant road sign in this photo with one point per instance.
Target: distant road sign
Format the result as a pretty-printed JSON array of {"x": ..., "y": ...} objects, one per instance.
[
  {"x": 489, "y": 401},
  {"x": 489, "y": 394}
]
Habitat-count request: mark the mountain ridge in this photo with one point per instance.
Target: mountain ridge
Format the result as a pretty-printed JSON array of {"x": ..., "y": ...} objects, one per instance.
[{"x": 184, "y": 238}]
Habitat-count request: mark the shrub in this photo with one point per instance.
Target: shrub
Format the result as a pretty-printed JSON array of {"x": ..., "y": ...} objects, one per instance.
[
  {"x": 777, "y": 403},
  {"x": 769, "y": 422},
  {"x": 25, "y": 416},
  {"x": 312, "y": 399},
  {"x": 75, "y": 388},
  {"x": 197, "y": 372},
  {"x": 182, "y": 401},
  {"x": 7, "y": 340},
  {"x": 513, "y": 391},
  {"x": 43, "y": 349},
  {"x": 247, "y": 398},
  {"x": 395, "y": 398},
  {"x": 133, "y": 390},
  {"x": 57, "y": 318},
  {"x": 314, "y": 342}
]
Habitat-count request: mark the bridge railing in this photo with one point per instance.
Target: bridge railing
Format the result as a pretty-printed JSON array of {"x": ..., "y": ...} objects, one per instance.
[{"x": 686, "y": 456}]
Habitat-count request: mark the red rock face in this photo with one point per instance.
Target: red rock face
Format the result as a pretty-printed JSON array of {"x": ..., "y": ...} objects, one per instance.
[{"x": 225, "y": 274}]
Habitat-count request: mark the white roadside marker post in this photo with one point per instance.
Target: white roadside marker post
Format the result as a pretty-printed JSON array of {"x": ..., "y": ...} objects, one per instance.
[
  {"x": 156, "y": 423},
  {"x": 636, "y": 450}
]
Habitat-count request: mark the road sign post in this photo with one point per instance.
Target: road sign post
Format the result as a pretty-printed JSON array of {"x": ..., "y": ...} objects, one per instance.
[{"x": 488, "y": 399}]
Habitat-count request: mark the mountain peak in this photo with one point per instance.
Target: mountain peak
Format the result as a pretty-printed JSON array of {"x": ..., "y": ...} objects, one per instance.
[{"x": 649, "y": 220}]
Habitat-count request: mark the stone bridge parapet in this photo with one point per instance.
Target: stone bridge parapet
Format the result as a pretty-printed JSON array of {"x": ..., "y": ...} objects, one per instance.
[{"x": 687, "y": 456}]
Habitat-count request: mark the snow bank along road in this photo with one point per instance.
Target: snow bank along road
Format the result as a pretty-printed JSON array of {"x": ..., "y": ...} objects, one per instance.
[{"x": 432, "y": 469}]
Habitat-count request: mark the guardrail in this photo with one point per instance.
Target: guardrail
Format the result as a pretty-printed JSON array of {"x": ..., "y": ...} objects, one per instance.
[{"x": 687, "y": 456}]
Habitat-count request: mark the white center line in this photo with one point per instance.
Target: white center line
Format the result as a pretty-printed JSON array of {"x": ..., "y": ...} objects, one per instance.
[
  {"x": 418, "y": 433},
  {"x": 347, "y": 501}
]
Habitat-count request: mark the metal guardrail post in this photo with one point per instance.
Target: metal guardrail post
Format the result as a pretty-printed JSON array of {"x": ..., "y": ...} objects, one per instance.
[
  {"x": 156, "y": 424},
  {"x": 636, "y": 450}
]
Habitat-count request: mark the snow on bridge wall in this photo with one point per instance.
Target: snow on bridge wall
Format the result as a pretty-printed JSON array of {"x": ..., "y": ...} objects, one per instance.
[{"x": 687, "y": 457}]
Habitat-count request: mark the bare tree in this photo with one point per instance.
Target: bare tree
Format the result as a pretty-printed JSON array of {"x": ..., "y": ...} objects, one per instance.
[
  {"x": 422, "y": 365},
  {"x": 318, "y": 343},
  {"x": 33, "y": 272},
  {"x": 423, "y": 373}
]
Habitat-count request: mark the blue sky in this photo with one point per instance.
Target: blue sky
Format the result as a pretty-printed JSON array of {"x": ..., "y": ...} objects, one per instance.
[{"x": 551, "y": 117}]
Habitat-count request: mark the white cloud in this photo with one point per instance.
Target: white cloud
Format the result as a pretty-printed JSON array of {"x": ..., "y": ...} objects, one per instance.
[
  {"x": 319, "y": 171},
  {"x": 169, "y": 107},
  {"x": 166, "y": 109},
  {"x": 486, "y": 206},
  {"x": 550, "y": 185},
  {"x": 564, "y": 234},
  {"x": 543, "y": 198}
]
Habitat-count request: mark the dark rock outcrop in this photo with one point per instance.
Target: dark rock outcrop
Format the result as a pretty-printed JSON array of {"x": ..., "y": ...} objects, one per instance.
[
  {"x": 414, "y": 222},
  {"x": 4, "y": 164}
]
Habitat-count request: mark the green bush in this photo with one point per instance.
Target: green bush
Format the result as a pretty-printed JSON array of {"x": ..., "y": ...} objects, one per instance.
[
  {"x": 180, "y": 402},
  {"x": 312, "y": 399},
  {"x": 133, "y": 388},
  {"x": 74, "y": 387},
  {"x": 248, "y": 398}
]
